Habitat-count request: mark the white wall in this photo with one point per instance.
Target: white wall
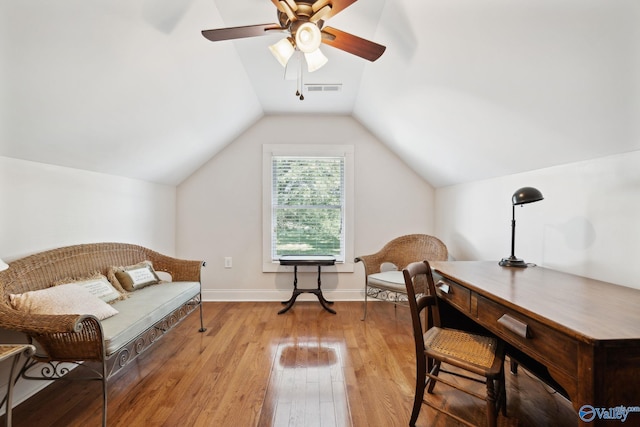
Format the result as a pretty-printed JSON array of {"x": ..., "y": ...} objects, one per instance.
[
  {"x": 44, "y": 206},
  {"x": 220, "y": 208},
  {"x": 587, "y": 224}
]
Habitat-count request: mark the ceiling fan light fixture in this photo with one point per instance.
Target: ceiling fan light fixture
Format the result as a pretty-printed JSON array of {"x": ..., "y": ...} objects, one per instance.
[
  {"x": 315, "y": 60},
  {"x": 283, "y": 50},
  {"x": 308, "y": 37}
]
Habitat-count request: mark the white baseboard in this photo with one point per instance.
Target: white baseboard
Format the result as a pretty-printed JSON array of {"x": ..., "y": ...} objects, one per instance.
[{"x": 264, "y": 295}]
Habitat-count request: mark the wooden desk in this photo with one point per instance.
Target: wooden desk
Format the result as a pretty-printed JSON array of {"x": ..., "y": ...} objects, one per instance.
[
  {"x": 302, "y": 260},
  {"x": 585, "y": 332}
]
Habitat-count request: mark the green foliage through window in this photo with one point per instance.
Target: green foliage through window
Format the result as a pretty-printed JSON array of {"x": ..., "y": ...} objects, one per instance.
[{"x": 308, "y": 206}]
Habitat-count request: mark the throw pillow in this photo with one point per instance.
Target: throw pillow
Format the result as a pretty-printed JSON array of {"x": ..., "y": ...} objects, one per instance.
[
  {"x": 136, "y": 276},
  {"x": 98, "y": 286},
  {"x": 63, "y": 299}
]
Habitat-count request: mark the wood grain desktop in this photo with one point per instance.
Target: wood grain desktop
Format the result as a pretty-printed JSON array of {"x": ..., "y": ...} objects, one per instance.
[{"x": 585, "y": 332}]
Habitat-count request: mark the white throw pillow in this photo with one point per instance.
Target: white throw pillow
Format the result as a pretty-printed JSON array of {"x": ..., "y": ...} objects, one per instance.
[
  {"x": 99, "y": 287},
  {"x": 63, "y": 299}
]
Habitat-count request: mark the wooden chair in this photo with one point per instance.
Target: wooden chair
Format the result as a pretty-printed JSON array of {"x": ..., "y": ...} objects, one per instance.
[
  {"x": 383, "y": 269},
  {"x": 480, "y": 356}
]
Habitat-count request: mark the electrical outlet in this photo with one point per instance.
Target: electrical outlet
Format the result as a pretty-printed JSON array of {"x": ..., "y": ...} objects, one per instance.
[{"x": 228, "y": 262}]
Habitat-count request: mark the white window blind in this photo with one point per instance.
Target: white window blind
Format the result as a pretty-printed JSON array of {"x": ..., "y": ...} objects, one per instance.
[{"x": 308, "y": 206}]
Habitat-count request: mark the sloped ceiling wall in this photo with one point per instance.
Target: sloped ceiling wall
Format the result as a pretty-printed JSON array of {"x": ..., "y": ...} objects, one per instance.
[
  {"x": 118, "y": 87},
  {"x": 480, "y": 89},
  {"x": 467, "y": 89}
]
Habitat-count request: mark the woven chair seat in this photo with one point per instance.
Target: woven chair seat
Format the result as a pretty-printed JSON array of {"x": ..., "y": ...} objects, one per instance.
[{"x": 478, "y": 350}]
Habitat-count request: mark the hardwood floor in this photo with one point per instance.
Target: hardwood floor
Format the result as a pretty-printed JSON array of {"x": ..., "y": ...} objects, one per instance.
[{"x": 304, "y": 368}]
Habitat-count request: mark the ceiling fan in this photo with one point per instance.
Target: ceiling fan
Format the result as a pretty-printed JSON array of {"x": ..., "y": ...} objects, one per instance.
[{"x": 303, "y": 20}]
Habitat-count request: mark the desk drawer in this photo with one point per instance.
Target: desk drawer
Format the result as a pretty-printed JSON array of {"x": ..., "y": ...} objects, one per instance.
[
  {"x": 530, "y": 336},
  {"x": 454, "y": 294}
]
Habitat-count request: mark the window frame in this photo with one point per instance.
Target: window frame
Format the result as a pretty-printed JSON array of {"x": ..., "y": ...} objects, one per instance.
[{"x": 307, "y": 150}]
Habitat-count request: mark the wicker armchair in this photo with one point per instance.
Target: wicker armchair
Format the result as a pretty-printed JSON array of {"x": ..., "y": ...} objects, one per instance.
[
  {"x": 394, "y": 257},
  {"x": 481, "y": 357}
]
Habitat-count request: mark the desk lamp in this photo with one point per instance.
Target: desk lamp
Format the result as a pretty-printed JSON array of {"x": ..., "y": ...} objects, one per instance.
[{"x": 520, "y": 197}]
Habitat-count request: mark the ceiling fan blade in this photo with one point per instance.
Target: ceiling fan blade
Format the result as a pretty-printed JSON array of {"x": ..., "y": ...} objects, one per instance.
[
  {"x": 352, "y": 44},
  {"x": 241, "y": 32}
]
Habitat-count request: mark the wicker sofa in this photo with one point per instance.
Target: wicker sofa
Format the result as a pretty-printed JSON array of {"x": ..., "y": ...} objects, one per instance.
[{"x": 99, "y": 347}]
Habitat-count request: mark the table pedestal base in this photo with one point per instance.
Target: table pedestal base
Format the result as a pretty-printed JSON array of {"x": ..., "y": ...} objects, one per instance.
[
  {"x": 324, "y": 302},
  {"x": 296, "y": 292}
]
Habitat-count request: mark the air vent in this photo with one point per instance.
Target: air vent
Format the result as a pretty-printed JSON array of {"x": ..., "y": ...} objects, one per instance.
[{"x": 323, "y": 87}]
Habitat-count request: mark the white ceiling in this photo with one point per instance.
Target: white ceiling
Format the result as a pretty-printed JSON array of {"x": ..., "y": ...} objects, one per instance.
[{"x": 467, "y": 89}]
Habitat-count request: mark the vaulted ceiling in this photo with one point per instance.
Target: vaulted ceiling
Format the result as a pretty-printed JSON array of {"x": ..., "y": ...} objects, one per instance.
[{"x": 466, "y": 90}]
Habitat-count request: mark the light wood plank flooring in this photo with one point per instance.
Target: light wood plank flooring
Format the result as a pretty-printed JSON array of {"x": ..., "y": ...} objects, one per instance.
[{"x": 304, "y": 368}]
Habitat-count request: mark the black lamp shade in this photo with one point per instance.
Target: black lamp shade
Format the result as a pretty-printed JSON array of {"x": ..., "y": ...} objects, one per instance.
[
  {"x": 526, "y": 195},
  {"x": 521, "y": 197}
]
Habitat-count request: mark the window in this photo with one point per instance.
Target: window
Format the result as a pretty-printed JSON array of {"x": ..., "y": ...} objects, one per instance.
[
  {"x": 307, "y": 202},
  {"x": 307, "y": 206}
]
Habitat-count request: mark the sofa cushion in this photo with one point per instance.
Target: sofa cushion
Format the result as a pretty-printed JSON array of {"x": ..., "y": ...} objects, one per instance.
[
  {"x": 63, "y": 299},
  {"x": 390, "y": 280},
  {"x": 143, "y": 309}
]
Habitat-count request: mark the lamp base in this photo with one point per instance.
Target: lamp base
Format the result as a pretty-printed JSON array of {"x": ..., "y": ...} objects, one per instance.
[{"x": 513, "y": 262}]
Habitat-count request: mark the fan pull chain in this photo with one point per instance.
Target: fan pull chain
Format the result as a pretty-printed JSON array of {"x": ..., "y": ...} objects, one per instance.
[
  {"x": 299, "y": 82},
  {"x": 301, "y": 85},
  {"x": 298, "y": 78}
]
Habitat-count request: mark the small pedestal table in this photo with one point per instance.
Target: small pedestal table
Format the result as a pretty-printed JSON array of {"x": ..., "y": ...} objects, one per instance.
[{"x": 307, "y": 260}]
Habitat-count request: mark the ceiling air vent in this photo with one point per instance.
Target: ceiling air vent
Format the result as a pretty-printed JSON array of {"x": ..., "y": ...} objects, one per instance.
[{"x": 323, "y": 87}]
